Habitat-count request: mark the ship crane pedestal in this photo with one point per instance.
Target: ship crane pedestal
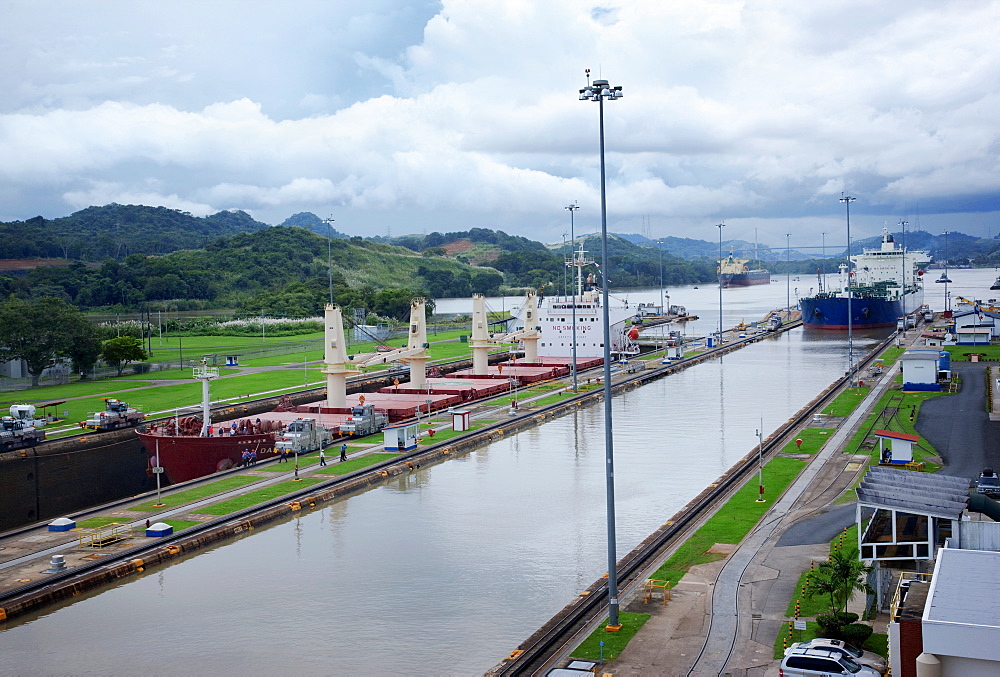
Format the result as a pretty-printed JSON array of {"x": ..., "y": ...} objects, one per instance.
[
  {"x": 335, "y": 357},
  {"x": 415, "y": 353},
  {"x": 482, "y": 342}
]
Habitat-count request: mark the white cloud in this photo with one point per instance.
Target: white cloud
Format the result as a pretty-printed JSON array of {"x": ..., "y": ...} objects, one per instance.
[{"x": 736, "y": 109}]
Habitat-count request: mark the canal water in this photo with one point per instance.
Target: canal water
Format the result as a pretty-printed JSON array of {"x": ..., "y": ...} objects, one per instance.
[{"x": 446, "y": 570}]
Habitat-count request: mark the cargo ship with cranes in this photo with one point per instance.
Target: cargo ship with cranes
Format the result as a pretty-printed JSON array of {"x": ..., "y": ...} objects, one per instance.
[
  {"x": 883, "y": 285},
  {"x": 555, "y": 319}
]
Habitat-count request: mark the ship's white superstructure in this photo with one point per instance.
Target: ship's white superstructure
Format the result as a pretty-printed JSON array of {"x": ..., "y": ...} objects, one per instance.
[{"x": 555, "y": 317}]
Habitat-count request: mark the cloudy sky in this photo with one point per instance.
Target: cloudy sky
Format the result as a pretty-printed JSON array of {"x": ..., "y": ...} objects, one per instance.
[{"x": 409, "y": 116}]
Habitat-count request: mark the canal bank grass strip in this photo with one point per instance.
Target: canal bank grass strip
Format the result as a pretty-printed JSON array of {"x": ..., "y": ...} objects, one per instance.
[
  {"x": 179, "y": 525},
  {"x": 446, "y": 434},
  {"x": 101, "y": 521},
  {"x": 197, "y": 493},
  {"x": 813, "y": 440},
  {"x": 614, "y": 642},
  {"x": 733, "y": 521},
  {"x": 352, "y": 464},
  {"x": 257, "y": 497},
  {"x": 847, "y": 401}
]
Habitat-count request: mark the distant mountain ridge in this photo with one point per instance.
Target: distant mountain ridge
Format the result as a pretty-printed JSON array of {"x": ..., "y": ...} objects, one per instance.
[{"x": 115, "y": 231}]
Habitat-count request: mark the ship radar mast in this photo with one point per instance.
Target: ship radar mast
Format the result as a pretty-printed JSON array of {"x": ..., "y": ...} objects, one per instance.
[{"x": 205, "y": 373}]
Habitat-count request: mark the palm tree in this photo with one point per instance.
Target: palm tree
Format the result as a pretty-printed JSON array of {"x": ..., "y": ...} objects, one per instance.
[{"x": 839, "y": 578}]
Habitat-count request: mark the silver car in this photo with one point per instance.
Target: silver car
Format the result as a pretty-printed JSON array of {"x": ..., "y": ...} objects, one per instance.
[
  {"x": 822, "y": 662},
  {"x": 866, "y": 658}
]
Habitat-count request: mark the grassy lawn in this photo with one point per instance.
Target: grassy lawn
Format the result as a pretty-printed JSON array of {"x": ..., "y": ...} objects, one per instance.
[
  {"x": 257, "y": 497},
  {"x": 446, "y": 434},
  {"x": 890, "y": 355},
  {"x": 847, "y": 401},
  {"x": 813, "y": 440},
  {"x": 893, "y": 412},
  {"x": 198, "y": 493},
  {"x": 961, "y": 353},
  {"x": 101, "y": 521},
  {"x": 180, "y": 524},
  {"x": 732, "y": 522},
  {"x": 614, "y": 642},
  {"x": 77, "y": 389},
  {"x": 169, "y": 374},
  {"x": 350, "y": 465}
]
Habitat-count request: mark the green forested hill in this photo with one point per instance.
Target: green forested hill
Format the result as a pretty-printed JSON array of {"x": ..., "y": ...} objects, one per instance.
[
  {"x": 115, "y": 231},
  {"x": 279, "y": 271}
]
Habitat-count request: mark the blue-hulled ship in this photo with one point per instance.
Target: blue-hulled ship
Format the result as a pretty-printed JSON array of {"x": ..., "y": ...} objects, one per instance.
[{"x": 884, "y": 285}]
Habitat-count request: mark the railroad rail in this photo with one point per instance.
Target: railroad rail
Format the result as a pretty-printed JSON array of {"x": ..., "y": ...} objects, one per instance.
[
  {"x": 539, "y": 650},
  {"x": 133, "y": 560}
]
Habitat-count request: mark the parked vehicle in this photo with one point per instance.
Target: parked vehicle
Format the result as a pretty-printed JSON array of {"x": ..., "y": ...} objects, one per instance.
[
  {"x": 860, "y": 656},
  {"x": 988, "y": 483},
  {"x": 822, "y": 662}
]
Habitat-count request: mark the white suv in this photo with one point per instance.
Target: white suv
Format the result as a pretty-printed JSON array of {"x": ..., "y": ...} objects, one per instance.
[
  {"x": 861, "y": 657},
  {"x": 822, "y": 662}
]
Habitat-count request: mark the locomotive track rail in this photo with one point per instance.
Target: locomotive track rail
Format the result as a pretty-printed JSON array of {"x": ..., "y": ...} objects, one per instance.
[
  {"x": 540, "y": 650},
  {"x": 127, "y": 562}
]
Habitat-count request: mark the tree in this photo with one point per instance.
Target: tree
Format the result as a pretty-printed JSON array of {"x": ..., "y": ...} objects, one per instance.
[
  {"x": 838, "y": 579},
  {"x": 118, "y": 352},
  {"x": 39, "y": 331},
  {"x": 84, "y": 348}
]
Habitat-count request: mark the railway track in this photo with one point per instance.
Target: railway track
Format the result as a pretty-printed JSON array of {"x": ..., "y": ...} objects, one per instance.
[
  {"x": 540, "y": 650},
  {"x": 132, "y": 560}
]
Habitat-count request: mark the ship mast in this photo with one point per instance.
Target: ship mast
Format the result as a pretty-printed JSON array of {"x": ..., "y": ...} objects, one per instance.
[{"x": 204, "y": 373}]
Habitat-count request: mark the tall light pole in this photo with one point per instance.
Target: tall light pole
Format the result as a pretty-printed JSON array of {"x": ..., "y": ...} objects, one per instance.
[
  {"x": 720, "y": 226},
  {"x": 788, "y": 276},
  {"x": 847, "y": 200},
  {"x": 663, "y": 310},
  {"x": 822, "y": 264},
  {"x": 329, "y": 253},
  {"x": 572, "y": 244},
  {"x": 599, "y": 91},
  {"x": 902, "y": 224}
]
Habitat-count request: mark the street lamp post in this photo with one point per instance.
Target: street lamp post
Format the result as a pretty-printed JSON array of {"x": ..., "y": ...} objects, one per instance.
[
  {"x": 788, "y": 275},
  {"x": 572, "y": 244},
  {"x": 902, "y": 224},
  {"x": 847, "y": 200},
  {"x": 822, "y": 264},
  {"x": 599, "y": 91},
  {"x": 720, "y": 226}
]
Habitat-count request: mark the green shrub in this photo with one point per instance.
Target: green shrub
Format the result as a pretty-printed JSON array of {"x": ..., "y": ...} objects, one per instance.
[
  {"x": 856, "y": 633},
  {"x": 141, "y": 368}
]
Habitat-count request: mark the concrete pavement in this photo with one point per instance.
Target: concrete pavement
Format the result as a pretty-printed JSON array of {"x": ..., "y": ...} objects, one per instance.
[{"x": 725, "y": 615}]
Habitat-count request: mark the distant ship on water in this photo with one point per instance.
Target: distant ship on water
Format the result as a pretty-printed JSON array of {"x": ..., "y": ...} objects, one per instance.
[{"x": 734, "y": 272}]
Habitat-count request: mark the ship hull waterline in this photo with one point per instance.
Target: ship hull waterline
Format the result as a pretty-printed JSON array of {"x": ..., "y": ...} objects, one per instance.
[{"x": 867, "y": 313}]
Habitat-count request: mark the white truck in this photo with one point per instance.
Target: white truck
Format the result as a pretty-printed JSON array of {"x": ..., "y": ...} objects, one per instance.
[
  {"x": 302, "y": 435},
  {"x": 116, "y": 414}
]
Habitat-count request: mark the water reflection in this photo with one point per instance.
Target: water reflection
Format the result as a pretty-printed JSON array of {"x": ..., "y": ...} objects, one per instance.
[{"x": 452, "y": 566}]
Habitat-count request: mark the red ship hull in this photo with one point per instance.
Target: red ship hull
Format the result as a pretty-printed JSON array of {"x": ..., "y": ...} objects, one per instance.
[{"x": 185, "y": 457}]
